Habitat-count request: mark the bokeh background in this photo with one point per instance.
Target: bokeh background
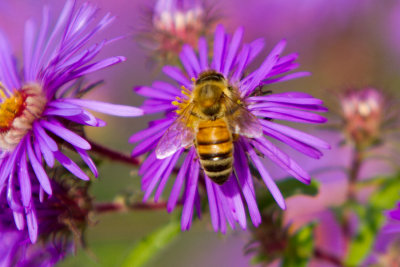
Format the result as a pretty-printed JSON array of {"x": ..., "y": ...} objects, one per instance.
[{"x": 344, "y": 43}]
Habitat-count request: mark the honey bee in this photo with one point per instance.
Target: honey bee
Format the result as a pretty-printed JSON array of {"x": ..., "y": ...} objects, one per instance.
[{"x": 211, "y": 118}]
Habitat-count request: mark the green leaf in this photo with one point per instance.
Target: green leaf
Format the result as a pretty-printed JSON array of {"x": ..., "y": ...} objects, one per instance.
[
  {"x": 300, "y": 248},
  {"x": 152, "y": 244},
  {"x": 371, "y": 217},
  {"x": 362, "y": 242},
  {"x": 289, "y": 187}
]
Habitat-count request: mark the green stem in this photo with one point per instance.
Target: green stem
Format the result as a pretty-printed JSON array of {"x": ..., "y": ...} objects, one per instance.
[{"x": 105, "y": 207}]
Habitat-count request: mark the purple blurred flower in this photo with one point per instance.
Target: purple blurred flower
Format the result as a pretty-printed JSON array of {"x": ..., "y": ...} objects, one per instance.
[
  {"x": 175, "y": 23},
  {"x": 17, "y": 250},
  {"x": 225, "y": 201},
  {"x": 363, "y": 115},
  {"x": 61, "y": 219},
  {"x": 385, "y": 250},
  {"x": 39, "y": 105}
]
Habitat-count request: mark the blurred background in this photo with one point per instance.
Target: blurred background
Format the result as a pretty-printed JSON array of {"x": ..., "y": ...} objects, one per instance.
[{"x": 344, "y": 43}]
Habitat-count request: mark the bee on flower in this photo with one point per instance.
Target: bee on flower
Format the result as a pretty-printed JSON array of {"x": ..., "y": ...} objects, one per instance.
[{"x": 222, "y": 118}]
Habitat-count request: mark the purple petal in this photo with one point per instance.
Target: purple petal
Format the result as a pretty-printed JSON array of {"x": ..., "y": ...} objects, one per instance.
[
  {"x": 266, "y": 177},
  {"x": 88, "y": 160},
  {"x": 156, "y": 178},
  {"x": 176, "y": 74},
  {"x": 234, "y": 46},
  {"x": 62, "y": 112},
  {"x": 19, "y": 220},
  {"x": 203, "y": 53},
  {"x": 287, "y": 98},
  {"x": 38, "y": 169},
  {"x": 147, "y": 144},
  {"x": 299, "y": 146},
  {"x": 8, "y": 74},
  {"x": 166, "y": 87},
  {"x": 189, "y": 60},
  {"x": 24, "y": 180},
  {"x": 224, "y": 208},
  {"x": 101, "y": 65},
  {"x": 289, "y": 115},
  {"x": 232, "y": 194},
  {"x": 45, "y": 151},
  {"x": 212, "y": 204},
  {"x": 255, "y": 48},
  {"x": 107, "y": 108},
  {"x": 32, "y": 223},
  {"x": 287, "y": 77},
  {"x": 71, "y": 166},
  {"x": 295, "y": 134},
  {"x": 245, "y": 180},
  {"x": 40, "y": 132},
  {"x": 150, "y": 131},
  {"x": 219, "y": 45},
  {"x": 281, "y": 159},
  {"x": 191, "y": 188},
  {"x": 173, "y": 198},
  {"x": 242, "y": 62},
  {"x": 154, "y": 93},
  {"x": 66, "y": 134},
  {"x": 166, "y": 174}
]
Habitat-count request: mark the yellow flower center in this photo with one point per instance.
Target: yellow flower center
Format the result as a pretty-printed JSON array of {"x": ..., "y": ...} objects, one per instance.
[
  {"x": 10, "y": 108},
  {"x": 18, "y": 111}
]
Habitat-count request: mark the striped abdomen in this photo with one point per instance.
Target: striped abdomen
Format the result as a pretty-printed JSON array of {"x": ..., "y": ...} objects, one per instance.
[{"x": 215, "y": 148}]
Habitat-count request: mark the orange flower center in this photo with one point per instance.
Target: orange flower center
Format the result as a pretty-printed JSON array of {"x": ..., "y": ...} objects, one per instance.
[{"x": 18, "y": 111}]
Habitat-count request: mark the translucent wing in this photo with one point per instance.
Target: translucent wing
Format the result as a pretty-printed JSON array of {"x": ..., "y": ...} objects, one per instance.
[
  {"x": 241, "y": 121},
  {"x": 179, "y": 134}
]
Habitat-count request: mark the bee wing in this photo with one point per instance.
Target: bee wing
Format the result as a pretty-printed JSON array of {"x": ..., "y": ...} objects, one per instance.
[
  {"x": 242, "y": 121},
  {"x": 178, "y": 135}
]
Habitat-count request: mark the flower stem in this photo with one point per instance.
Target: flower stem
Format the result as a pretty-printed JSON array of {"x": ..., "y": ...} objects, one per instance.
[
  {"x": 113, "y": 155},
  {"x": 353, "y": 175},
  {"x": 121, "y": 207},
  {"x": 354, "y": 172},
  {"x": 325, "y": 256}
]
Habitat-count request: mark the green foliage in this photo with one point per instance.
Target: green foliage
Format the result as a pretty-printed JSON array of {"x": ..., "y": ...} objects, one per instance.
[
  {"x": 371, "y": 217},
  {"x": 272, "y": 239},
  {"x": 289, "y": 187},
  {"x": 146, "y": 249},
  {"x": 300, "y": 247}
]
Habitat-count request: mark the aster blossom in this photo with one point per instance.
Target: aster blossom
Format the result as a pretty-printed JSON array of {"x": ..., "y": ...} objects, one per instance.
[
  {"x": 172, "y": 24},
  {"x": 227, "y": 206},
  {"x": 40, "y": 106},
  {"x": 61, "y": 219}
]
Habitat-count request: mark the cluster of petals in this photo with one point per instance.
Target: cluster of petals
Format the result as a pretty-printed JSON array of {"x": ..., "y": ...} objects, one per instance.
[
  {"x": 227, "y": 202},
  {"x": 55, "y": 58}
]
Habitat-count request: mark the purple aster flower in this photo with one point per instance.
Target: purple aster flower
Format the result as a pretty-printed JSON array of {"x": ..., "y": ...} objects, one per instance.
[
  {"x": 39, "y": 107},
  {"x": 61, "y": 219},
  {"x": 387, "y": 242},
  {"x": 228, "y": 65},
  {"x": 174, "y": 23}
]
